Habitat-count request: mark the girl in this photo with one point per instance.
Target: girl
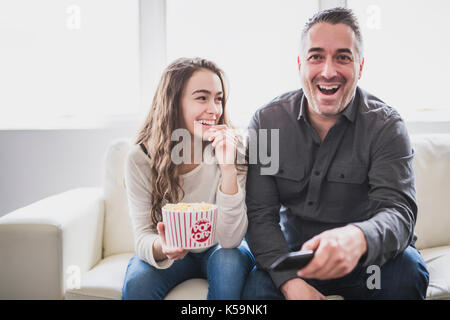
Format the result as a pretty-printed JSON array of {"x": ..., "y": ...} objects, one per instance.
[{"x": 190, "y": 98}]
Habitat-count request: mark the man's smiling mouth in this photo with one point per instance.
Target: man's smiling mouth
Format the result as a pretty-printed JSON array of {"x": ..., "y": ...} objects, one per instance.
[{"x": 328, "y": 90}]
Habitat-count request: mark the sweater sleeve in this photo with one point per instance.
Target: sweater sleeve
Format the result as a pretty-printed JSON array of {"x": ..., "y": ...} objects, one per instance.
[
  {"x": 232, "y": 219},
  {"x": 137, "y": 177}
]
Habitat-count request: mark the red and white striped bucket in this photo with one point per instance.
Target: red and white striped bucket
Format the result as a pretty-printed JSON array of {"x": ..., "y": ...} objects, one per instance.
[{"x": 190, "y": 230}]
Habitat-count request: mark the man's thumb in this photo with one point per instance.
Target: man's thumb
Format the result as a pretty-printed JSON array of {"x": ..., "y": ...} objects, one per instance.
[{"x": 311, "y": 244}]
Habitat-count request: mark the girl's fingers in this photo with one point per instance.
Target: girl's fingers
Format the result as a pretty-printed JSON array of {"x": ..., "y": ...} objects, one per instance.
[
  {"x": 224, "y": 141},
  {"x": 180, "y": 254},
  {"x": 219, "y": 127},
  {"x": 226, "y": 133},
  {"x": 161, "y": 230}
]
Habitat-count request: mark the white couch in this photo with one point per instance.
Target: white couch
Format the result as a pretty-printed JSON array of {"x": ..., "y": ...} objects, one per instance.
[{"x": 77, "y": 244}]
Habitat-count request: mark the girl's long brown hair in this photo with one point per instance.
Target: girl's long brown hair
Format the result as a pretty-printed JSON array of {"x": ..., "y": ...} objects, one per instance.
[{"x": 163, "y": 118}]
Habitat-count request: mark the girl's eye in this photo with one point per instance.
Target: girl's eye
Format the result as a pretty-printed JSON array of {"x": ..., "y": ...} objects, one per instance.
[
  {"x": 201, "y": 98},
  {"x": 220, "y": 99}
]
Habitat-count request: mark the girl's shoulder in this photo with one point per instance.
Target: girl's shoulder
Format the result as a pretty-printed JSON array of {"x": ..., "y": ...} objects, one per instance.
[{"x": 137, "y": 156}]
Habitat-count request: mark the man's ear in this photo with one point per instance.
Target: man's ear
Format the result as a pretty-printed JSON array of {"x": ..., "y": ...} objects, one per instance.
[
  {"x": 361, "y": 66},
  {"x": 298, "y": 62}
]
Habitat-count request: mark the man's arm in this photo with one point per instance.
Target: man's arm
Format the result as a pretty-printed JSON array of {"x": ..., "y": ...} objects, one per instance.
[
  {"x": 392, "y": 194},
  {"x": 264, "y": 234},
  {"x": 390, "y": 229}
]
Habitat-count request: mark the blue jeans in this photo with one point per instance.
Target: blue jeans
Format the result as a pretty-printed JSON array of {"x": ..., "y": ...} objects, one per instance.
[
  {"x": 225, "y": 269},
  {"x": 403, "y": 277}
]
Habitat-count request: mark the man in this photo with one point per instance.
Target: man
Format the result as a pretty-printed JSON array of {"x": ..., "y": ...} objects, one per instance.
[{"x": 345, "y": 184}]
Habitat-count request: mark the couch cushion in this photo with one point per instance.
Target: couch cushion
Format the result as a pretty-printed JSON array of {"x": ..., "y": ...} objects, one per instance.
[
  {"x": 105, "y": 282},
  {"x": 192, "y": 289},
  {"x": 432, "y": 169},
  {"x": 118, "y": 234},
  {"x": 438, "y": 262}
]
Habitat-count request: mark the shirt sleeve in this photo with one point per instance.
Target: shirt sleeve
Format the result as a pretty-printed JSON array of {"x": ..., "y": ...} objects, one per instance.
[
  {"x": 232, "y": 220},
  {"x": 392, "y": 195},
  {"x": 264, "y": 234},
  {"x": 138, "y": 194}
]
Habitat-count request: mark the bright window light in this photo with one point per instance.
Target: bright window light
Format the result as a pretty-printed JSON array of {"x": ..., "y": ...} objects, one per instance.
[
  {"x": 406, "y": 55},
  {"x": 63, "y": 60},
  {"x": 254, "y": 41}
]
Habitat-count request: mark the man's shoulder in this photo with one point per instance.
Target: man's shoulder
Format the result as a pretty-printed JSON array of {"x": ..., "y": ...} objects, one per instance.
[
  {"x": 287, "y": 102},
  {"x": 379, "y": 121},
  {"x": 373, "y": 108}
]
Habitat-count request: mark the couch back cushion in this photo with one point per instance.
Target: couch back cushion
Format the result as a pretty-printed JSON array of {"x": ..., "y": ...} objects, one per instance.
[
  {"x": 432, "y": 169},
  {"x": 117, "y": 233}
]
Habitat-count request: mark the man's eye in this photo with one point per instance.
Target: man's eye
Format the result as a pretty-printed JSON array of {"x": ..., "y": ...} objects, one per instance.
[
  {"x": 314, "y": 57},
  {"x": 344, "y": 58}
]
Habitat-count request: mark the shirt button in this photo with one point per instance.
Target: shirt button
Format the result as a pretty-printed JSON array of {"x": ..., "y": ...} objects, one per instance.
[
  {"x": 342, "y": 176},
  {"x": 317, "y": 173},
  {"x": 310, "y": 203}
]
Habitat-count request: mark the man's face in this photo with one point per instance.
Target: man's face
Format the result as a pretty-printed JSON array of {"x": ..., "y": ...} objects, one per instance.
[{"x": 330, "y": 68}]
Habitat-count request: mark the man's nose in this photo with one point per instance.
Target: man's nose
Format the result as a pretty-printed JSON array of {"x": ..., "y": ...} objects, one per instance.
[{"x": 329, "y": 69}]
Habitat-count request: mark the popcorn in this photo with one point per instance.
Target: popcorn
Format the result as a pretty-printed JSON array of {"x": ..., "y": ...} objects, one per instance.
[
  {"x": 190, "y": 225},
  {"x": 188, "y": 207}
]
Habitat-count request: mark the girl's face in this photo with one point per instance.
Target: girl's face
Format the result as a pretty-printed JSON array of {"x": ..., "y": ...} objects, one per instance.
[{"x": 201, "y": 102}]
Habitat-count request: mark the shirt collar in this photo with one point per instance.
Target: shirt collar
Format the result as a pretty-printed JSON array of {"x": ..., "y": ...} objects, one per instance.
[{"x": 349, "y": 112}]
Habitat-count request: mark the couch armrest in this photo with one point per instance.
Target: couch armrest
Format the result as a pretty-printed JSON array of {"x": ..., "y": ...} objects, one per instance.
[{"x": 47, "y": 242}]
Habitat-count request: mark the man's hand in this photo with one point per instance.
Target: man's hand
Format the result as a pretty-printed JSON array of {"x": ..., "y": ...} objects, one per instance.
[
  {"x": 337, "y": 251},
  {"x": 298, "y": 289}
]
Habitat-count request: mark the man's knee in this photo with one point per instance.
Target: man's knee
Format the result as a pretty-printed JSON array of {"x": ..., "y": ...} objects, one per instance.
[
  {"x": 259, "y": 286},
  {"x": 405, "y": 276}
]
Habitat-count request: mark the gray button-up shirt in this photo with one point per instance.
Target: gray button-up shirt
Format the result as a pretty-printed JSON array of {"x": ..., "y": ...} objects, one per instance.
[{"x": 360, "y": 174}]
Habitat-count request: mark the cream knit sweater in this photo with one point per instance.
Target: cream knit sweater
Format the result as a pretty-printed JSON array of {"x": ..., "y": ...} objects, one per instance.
[{"x": 200, "y": 184}]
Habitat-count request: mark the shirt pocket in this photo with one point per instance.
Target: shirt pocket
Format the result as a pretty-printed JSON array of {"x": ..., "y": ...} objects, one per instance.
[
  {"x": 347, "y": 174},
  {"x": 290, "y": 181},
  {"x": 345, "y": 195}
]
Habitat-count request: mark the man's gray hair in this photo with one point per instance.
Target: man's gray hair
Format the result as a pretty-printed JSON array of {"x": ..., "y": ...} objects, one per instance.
[{"x": 335, "y": 16}]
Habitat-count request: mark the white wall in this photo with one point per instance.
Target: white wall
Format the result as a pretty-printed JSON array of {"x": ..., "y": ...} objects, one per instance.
[{"x": 39, "y": 163}]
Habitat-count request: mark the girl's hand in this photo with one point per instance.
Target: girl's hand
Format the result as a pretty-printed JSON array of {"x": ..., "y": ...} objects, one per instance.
[
  {"x": 225, "y": 145},
  {"x": 171, "y": 253}
]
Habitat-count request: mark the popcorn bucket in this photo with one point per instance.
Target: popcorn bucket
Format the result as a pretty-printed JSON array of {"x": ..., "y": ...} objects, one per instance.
[{"x": 190, "y": 226}]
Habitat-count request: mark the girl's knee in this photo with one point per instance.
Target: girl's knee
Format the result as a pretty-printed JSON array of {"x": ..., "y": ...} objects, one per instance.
[
  {"x": 138, "y": 282},
  {"x": 230, "y": 258}
]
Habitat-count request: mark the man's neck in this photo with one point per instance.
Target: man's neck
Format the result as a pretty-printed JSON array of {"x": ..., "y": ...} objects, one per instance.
[{"x": 322, "y": 124}]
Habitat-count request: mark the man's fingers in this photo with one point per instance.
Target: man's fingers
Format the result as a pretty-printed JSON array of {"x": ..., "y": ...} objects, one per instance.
[{"x": 318, "y": 264}]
